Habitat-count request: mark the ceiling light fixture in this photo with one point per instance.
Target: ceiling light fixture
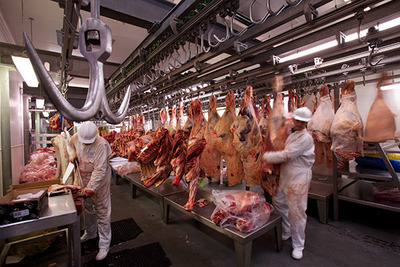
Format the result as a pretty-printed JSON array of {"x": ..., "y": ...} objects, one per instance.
[
  {"x": 39, "y": 102},
  {"x": 24, "y": 67},
  {"x": 391, "y": 86}
]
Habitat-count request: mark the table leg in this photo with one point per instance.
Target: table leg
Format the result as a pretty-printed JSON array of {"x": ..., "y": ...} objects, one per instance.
[
  {"x": 278, "y": 235},
  {"x": 243, "y": 253},
  {"x": 133, "y": 190},
  {"x": 165, "y": 213},
  {"x": 74, "y": 238},
  {"x": 323, "y": 210}
]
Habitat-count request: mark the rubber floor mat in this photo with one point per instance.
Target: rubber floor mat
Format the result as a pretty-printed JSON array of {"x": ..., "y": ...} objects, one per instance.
[
  {"x": 121, "y": 231},
  {"x": 151, "y": 255}
]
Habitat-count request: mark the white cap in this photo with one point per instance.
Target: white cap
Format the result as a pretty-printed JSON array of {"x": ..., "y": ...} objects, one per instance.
[
  {"x": 87, "y": 132},
  {"x": 302, "y": 114}
]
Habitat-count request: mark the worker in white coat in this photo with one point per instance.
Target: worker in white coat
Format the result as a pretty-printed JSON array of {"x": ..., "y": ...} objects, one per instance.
[
  {"x": 92, "y": 153},
  {"x": 296, "y": 161}
]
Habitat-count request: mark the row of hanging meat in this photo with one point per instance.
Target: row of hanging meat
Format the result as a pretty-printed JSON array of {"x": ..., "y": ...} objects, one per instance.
[{"x": 194, "y": 149}]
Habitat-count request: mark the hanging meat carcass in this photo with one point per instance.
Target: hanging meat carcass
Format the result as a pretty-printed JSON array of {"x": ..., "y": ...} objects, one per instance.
[
  {"x": 247, "y": 139},
  {"x": 380, "y": 125},
  {"x": 223, "y": 142},
  {"x": 192, "y": 168},
  {"x": 179, "y": 150},
  {"x": 163, "y": 118},
  {"x": 187, "y": 127},
  {"x": 210, "y": 161},
  {"x": 263, "y": 124},
  {"x": 347, "y": 127},
  {"x": 195, "y": 148},
  {"x": 163, "y": 159},
  {"x": 320, "y": 127},
  {"x": 140, "y": 124},
  {"x": 55, "y": 123},
  {"x": 180, "y": 121},
  {"x": 172, "y": 122},
  {"x": 278, "y": 131}
]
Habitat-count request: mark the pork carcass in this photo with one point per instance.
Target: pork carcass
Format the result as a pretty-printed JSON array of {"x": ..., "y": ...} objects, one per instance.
[
  {"x": 347, "y": 127},
  {"x": 247, "y": 139},
  {"x": 192, "y": 168},
  {"x": 223, "y": 139},
  {"x": 210, "y": 160},
  {"x": 380, "y": 125},
  {"x": 163, "y": 159},
  {"x": 179, "y": 150}
]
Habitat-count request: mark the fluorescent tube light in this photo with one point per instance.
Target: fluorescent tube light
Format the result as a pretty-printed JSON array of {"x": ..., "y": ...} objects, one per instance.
[
  {"x": 391, "y": 86},
  {"x": 24, "y": 67},
  {"x": 310, "y": 51}
]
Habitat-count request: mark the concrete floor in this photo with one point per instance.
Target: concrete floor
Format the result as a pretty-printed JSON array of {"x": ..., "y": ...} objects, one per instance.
[{"x": 363, "y": 236}]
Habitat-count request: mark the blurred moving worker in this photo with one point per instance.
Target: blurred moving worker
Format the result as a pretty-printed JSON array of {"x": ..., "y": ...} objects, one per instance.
[
  {"x": 296, "y": 160},
  {"x": 92, "y": 153}
]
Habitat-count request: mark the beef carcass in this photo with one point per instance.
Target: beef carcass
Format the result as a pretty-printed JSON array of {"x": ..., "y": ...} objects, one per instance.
[
  {"x": 140, "y": 124},
  {"x": 198, "y": 120},
  {"x": 223, "y": 142},
  {"x": 55, "y": 123},
  {"x": 347, "y": 127},
  {"x": 278, "y": 131},
  {"x": 192, "y": 168},
  {"x": 210, "y": 160},
  {"x": 380, "y": 125},
  {"x": 163, "y": 159},
  {"x": 263, "y": 124},
  {"x": 163, "y": 118},
  {"x": 180, "y": 120},
  {"x": 187, "y": 127},
  {"x": 247, "y": 139},
  {"x": 179, "y": 150}
]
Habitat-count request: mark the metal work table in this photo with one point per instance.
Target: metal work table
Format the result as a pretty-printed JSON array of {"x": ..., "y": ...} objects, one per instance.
[
  {"x": 161, "y": 191},
  {"x": 60, "y": 212},
  {"x": 242, "y": 241}
]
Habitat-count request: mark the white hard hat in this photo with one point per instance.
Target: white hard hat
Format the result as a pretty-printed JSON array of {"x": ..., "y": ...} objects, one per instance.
[
  {"x": 87, "y": 132},
  {"x": 302, "y": 114}
]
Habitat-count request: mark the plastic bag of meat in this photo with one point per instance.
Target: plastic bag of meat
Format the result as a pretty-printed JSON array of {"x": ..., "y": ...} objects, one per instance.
[
  {"x": 386, "y": 191},
  {"x": 347, "y": 127},
  {"x": 380, "y": 125},
  {"x": 245, "y": 210},
  {"x": 321, "y": 122},
  {"x": 128, "y": 167},
  {"x": 41, "y": 167}
]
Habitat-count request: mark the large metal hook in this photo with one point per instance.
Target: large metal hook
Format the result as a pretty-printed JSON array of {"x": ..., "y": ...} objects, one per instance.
[
  {"x": 92, "y": 32},
  {"x": 231, "y": 26},
  {"x": 273, "y": 13}
]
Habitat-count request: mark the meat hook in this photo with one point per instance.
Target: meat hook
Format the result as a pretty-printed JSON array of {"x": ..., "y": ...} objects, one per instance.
[
  {"x": 231, "y": 26},
  {"x": 257, "y": 21},
  {"x": 273, "y": 13},
  {"x": 93, "y": 31}
]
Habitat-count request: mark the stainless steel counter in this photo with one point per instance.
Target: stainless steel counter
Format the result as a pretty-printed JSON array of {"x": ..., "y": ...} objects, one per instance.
[{"x": 60, "y": 212}]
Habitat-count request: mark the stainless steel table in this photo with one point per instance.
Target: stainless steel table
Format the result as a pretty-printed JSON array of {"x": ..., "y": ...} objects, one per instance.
[
  {"x": 242, "y": 241},
  {"x": 60, "y": 212}
]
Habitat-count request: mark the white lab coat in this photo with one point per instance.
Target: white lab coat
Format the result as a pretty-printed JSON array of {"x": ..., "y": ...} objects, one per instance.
[
  {"x": 96, "y": 174},
  {"x": 290, "y": 200}
]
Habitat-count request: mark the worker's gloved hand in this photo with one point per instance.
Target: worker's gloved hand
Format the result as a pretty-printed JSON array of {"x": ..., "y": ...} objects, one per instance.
[{"x": 87, "y": 192}]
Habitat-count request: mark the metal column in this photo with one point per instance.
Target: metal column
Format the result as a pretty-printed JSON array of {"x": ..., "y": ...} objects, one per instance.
[{"x": 6, "y": 174}]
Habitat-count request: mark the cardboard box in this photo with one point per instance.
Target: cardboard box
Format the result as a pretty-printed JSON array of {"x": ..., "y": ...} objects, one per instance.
[
  {"x": 34, "y": 185},
  {"x": 21, "y": 210}
]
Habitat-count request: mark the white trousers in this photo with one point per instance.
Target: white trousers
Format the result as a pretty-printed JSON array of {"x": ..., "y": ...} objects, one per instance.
[
  {"x": 98, "y": 219},
  {"x": 291, "y": 203}
]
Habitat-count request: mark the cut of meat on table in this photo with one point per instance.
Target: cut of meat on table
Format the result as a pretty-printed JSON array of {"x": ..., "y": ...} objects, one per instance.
[
  {"x": 223, "y": 142},
  {"x": 178, "y": 161},
  {"x": 247, "y": 139},
  {"x": 192, "y": 168},
  {"x": 347, "y": 127},
  {"x": 380, "y": 125},
  {"x": 163, "y": 159},
  {"x": 210, "y": 159}
]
